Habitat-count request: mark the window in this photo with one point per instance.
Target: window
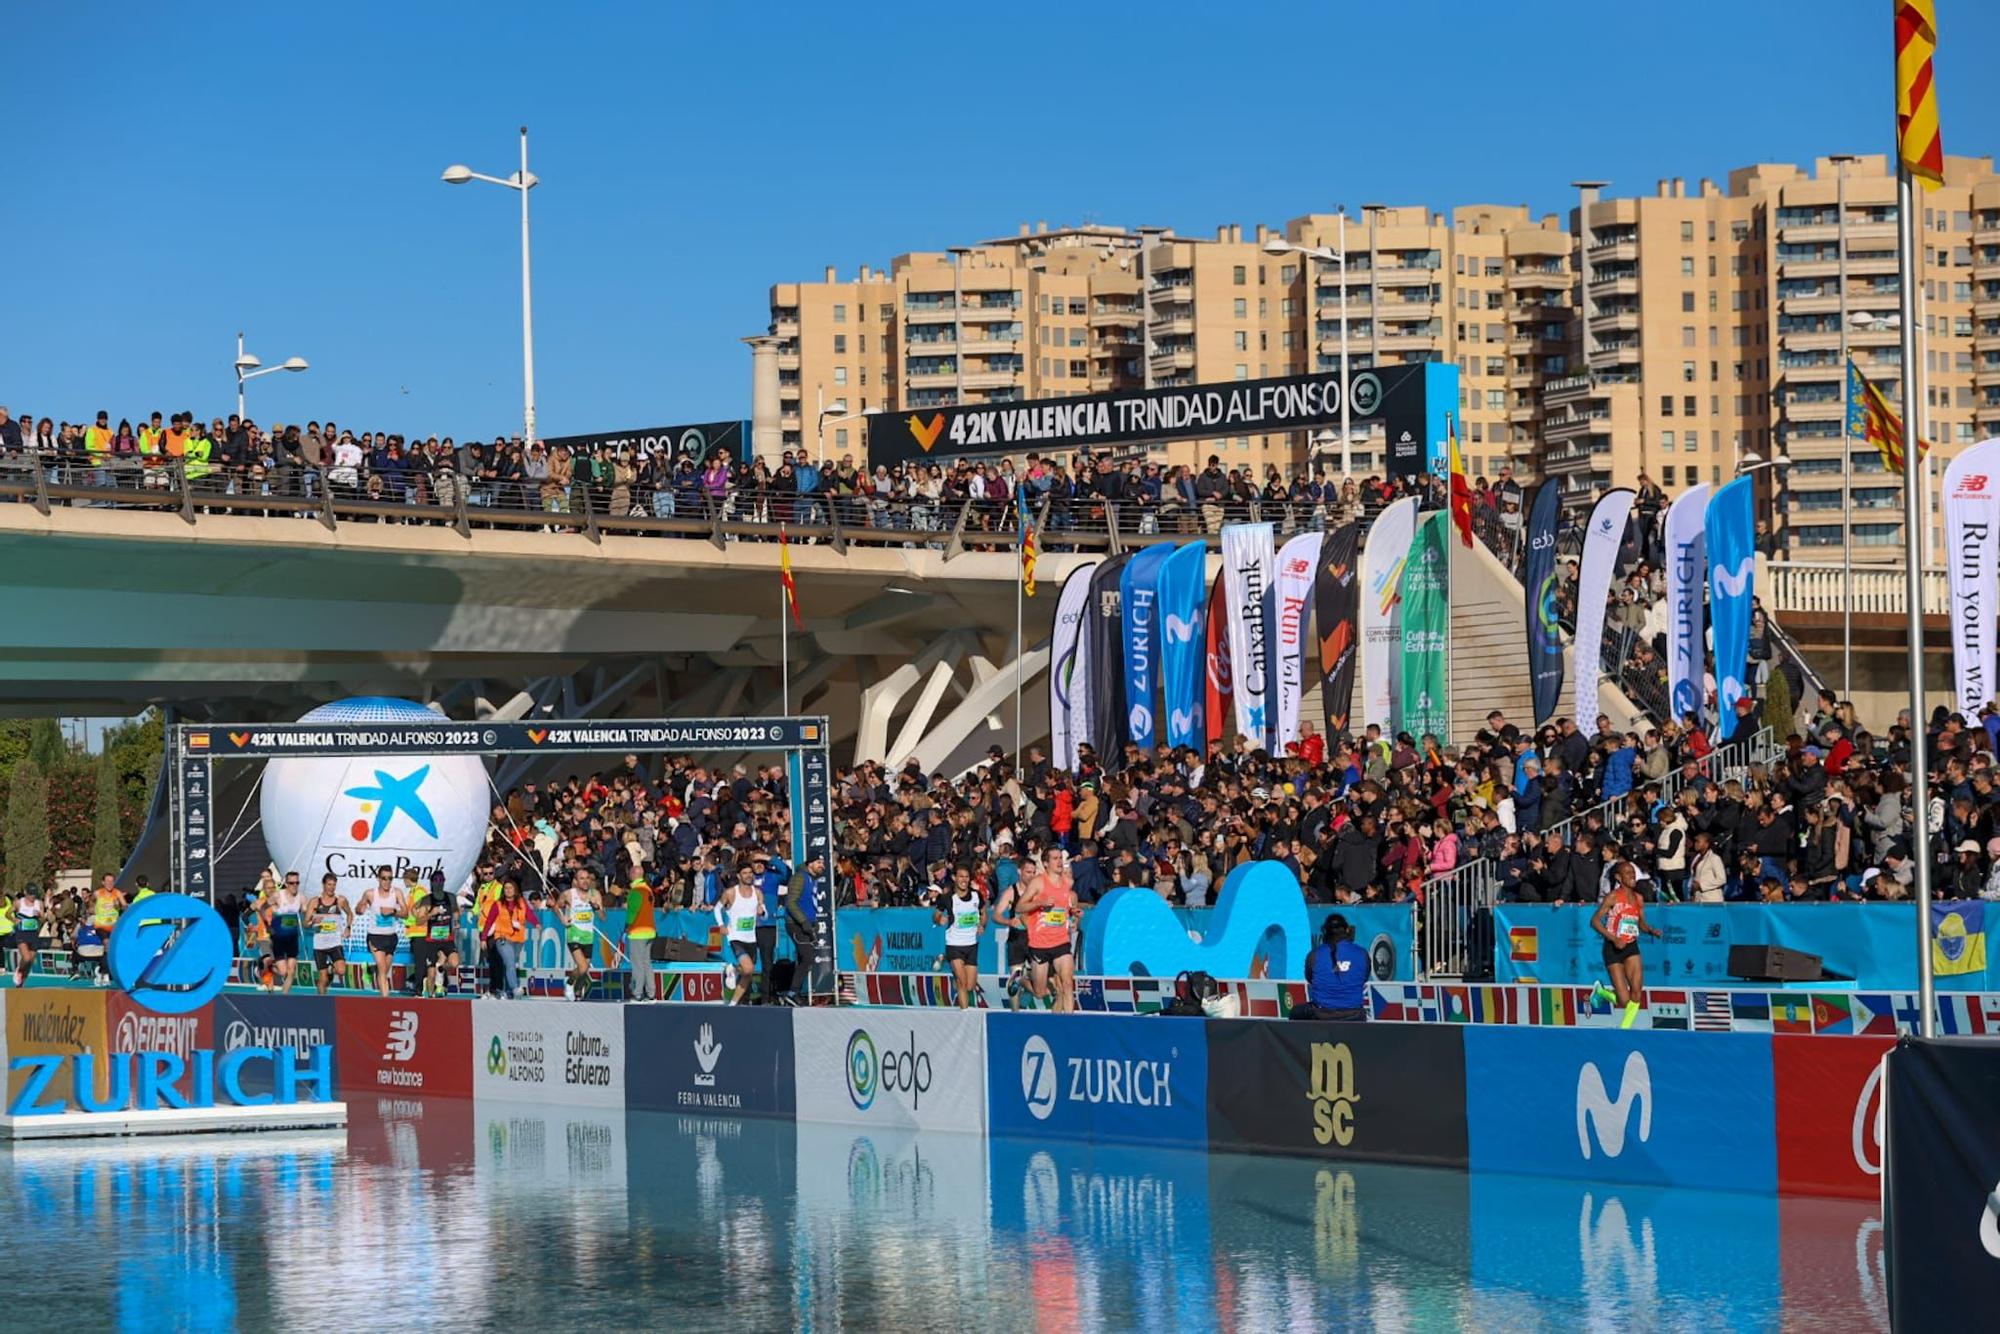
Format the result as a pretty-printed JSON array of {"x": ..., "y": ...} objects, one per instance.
[
  {"x": 1242, "y": 308},
  {"x": 1287, "y": 273},
  {"x": 1687, "y": 302},
  {"x": 1666, "y": 405},
  {"x": 1242, "y": 371},
  {"x": 1239, "y": 277},
  {"x": 1242, "y": 341},
  {"x": 1667, "y": 475},
  {"x": 1496, "y": 400},
  {"x": 1687, "y": 403},
  {"x": 1076, "y": 337},
  {"x": 840, "y": 345},
  {"x": 888, "y": 312},
  {"x": 840, "y": 375},
  {"x": 1076, "y": 305},
  {"x": 840, "y": 313},
  {"x": 1666, "y": 442},
  {"x": 1687, "y": 371},
  {"x": 1687, "y": 231},
  {"x": 840, "y": 437},
  {"x": 1687, "y": 335},
  {"x": 1079, "y": 370},
  {"x": 1687, "y": 266},
  {"x": 1285, "y": 307}
]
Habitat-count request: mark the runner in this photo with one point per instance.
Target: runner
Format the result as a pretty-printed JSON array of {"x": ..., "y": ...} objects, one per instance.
[
  {"x": 1013, "y": 934},
  {"x": 105, "y": 905},
  {"x": 384, "y": 907},
  {"x": 283, "y": 911},
  {"x": 962, "y": 917},
  {"x": 737, "y": 914},
  {"x": 29, "y": 910},
  {"x": 440, "y": 915},
  {"x": 505, "y": 930},
  {"x": 256, "y": 934},
  {"x": 1049, "y": 905},
  {"x": 579, "y": 908},
  {"x": 329, "y": 920},
  {"x": 1619, "y": 919}
]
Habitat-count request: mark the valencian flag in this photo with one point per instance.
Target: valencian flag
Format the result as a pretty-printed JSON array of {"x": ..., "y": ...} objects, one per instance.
[
  {"x": 785, "y": 577},
  {"x": 1461, "y": 491},
  {"x": 1918, "y": 143},
  {"x": 1027, "y": 545},
  {"x": 1870, "y": 417}
]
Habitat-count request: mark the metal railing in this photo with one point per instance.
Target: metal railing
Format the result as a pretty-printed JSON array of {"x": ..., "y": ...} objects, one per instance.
[{"x": 1822, "y": 587}]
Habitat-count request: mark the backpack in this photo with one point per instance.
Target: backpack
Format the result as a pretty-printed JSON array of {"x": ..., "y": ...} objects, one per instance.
[{"x": 1191, "y": 989}]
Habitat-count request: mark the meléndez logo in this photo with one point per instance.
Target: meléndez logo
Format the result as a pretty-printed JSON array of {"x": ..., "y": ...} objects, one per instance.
[{"x": 172, "y": 956}]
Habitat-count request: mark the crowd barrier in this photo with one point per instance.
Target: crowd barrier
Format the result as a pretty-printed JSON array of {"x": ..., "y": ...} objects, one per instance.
[{"x": 1760, "y": 1112}]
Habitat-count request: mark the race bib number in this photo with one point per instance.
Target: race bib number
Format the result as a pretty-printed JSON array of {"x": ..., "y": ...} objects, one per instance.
[
  {"x": 1056, "y": 917},
  {"x": 968, "y": 919},
  {"x": 746, "y": 924}
]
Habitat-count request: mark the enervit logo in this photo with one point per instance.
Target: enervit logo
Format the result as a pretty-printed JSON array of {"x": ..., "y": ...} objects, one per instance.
[
  {"x": 1610, "y": 1117},
  {"x": 173, "y": 959},
  {"x": 155, "y": 1032},
  {"x": 1867, "y": 1133},
  {"x": 870, "y": 1072},
  {"x": 1331, "y": 1090},
  {"x": 707, "y": 1051},
  {"x": 1038, "y": 1077}
]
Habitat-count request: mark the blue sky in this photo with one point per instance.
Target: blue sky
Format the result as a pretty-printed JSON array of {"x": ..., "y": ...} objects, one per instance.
[{"x": 183, "y": 171}]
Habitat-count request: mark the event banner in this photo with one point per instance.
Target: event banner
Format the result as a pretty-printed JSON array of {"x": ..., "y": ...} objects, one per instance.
[
  {"x": 1941, "y": 1203},
  {"x": 402, "y": 1045},
  {"x": 893, "y": 1069},
  {"x": 1139, "y": 614},
  {"x": 1141, "y": 1083},
  {"x": 1104, "y": 646},
  {"x": 1181, "y": 580},
  {"x": 299, "y": 1022},
  {"x": 1246, "y": 573},
  {"x": 1972, "y": 567},
  {"x": 1382, "y": 560},
  {"x": 1298, "y": 560},
  {"x": 1687, "y": 589},
  {"x": 1539, "y": 589},
  {"x": 572, "y": 1055},
  {"x": 1397, "y": 396},
  {"x": 1218, "y": 674},
  {"x": 1829, "y": 1100},
  {"x": 1731, "y": 534},
  {"x": 1336, "y": 609},
  {"x": 702, "y": 1059},
  {"x": 1069, "y": 669},
  {"x": 1601, "y": 540},
  {"x": 1426, "y": 632},
  {"x": 697, "y": 441}
]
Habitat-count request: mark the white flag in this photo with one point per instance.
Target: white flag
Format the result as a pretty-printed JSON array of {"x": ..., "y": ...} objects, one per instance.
[
  {"x": 1298, "y": 561},
  {"x": 1069, "y": 670},
  {"x": 1593, "y": 584},
  {"x": 1382, "y": 562}
]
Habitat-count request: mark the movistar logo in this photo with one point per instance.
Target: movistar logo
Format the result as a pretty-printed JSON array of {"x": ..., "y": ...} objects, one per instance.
[
  {"x": 1180, "y": 631},
  {"x": 1609, "y": 1117},
  {"x": 390, "y": 795}
]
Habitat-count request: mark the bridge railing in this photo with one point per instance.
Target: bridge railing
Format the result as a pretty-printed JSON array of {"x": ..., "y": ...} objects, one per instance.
[{"x": 1823, "y": 587}]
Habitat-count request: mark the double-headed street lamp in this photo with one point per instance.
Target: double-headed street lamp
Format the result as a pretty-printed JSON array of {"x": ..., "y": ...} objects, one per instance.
[
  {"x": 249, "y": 367},
  {"x": 522, "y": 181},
  {"x": 1337, "y": 255}
]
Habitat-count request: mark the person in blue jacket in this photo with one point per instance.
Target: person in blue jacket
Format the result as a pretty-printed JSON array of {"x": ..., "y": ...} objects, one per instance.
[{"x": 1336, "y": 975}]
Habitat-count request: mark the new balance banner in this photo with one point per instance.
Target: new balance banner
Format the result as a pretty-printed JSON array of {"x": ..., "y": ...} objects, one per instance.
[
  {"x": 406, "y": 1047},
  {"x": 1104, "y": 636},
  {"x": 1069, "y": 669},
  {"x": 1538, "y": 587},
  {"x": 1382, "y": 561},
  {"x": 907, "y": 1069},
  {"x": 1219, "y": 699},
  {"x": 1298, "y": 561},
  {"x": 1139, "y": 614},
  {"x": 1972, "y": 563},
  {"x": 1941, "y": 1183},
  {"x": 1731, "y": 533},
  {"x": 1425, "y": 695},
  {"x": 1246, "y": 573},
  {"x": 1182, "y": 641},
  {"x": 1049, "y": 1077},
  {"x": 1392, "y": 1092},
  {"x": 1601, "y": 540},
  {"x": 1687, "y": 586},
  {"x": 709, "y": 1060},
  {"x": 1336, "y": 605}
]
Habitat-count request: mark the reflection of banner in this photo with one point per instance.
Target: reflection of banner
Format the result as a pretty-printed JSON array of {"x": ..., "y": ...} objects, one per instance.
[
  {"x": 1139, "y": 615},
  {"x": 1972, "y": 539},
  {"x": 1104, "y": 637},
  {"x": 1181, "y": 642},
  {"x": 1298, "y": 559},
  {"x": 1730, "y": 532},
  {"x": 1069, "y": 670},
  {"x": 1219, "y": 696},
  {"x": 1053, "y": 1078},
  {"x": 1382, "y": 560},
  {"x": 1601, "y": 541},
  {"x": 1425, "y": 698},
  {"x": 1538, "y": 588},
  {"x": 1941, "y": 1204},
  {"x": 1687, "y": 587},
  {"x": 913, "y": 1069},
  {"x": 1246, "y": 573},
  {"x": 1336, "y": 605}
]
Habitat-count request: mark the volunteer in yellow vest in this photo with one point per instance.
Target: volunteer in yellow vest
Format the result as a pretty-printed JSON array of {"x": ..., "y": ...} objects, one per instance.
[
  {"x": 105, "y": 904},
  {"x": 483, "y": 898},
  {"x": 152, "y": 441},
  {"x": 26, "y": 926},
  {"x": 417, "y": 930},
  {"x": 7, "y": 929},
  {"x": 141, "y": 891},
  {"x": 97, "y": 438},
  {"x": 198, "y": 448},
  {"x": 641, "y": 929}
]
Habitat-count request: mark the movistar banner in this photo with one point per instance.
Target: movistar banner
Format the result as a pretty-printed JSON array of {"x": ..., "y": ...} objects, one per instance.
[
  {"x": 1539, "y": 585},
  {"x": 1972, "y": 539},
  {"x": 1336, "y": 605},
  {"x": 1181, "y": 642},
  {"x": 1298, "y": 560},
  {"x": 1732, "y": 576},
  {"x": 1426, "y": 627},
  {"x": 1246, "y": 572},
  {"x": 1382, "y": 561},
  {"x": 1687, "y": 584},
  {"x": 1138, "y": 609},
  {"x": 1601, "y": 541},
  {"x": 1069, "y": 669}
]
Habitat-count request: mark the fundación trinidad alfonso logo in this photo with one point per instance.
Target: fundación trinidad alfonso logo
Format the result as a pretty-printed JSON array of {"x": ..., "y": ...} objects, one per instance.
[
  {"x": 496, "y": 1058},
  {"x": 172, "y": 957},
  {"x": 926, "y": 432}
]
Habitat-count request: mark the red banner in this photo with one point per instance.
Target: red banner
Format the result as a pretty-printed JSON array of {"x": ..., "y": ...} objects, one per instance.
[
  {"x": 134, "y": 1028},
  {"x": 414, "y": 1047},
  {"x": 1829, "y": 1106}
]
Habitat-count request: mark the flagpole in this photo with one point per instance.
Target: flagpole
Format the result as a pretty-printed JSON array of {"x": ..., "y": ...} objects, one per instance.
[
  {"x": 784, "y": 631},
  {"x": 1913, "y": 550},
  {"x": 1020, "y": 648}
]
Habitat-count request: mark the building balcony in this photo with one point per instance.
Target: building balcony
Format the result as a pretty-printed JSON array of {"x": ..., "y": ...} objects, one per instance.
[
  {"x": 1567, "y": 389},
  {"x": 990, "y": 314},
  {"x": 1986, "y": 236},
  {"x": 1872, "y": 264},
  {"x": 1122, "y": 318},
  {"x": 1808, "y": 233},
  {"x": 1181, "y": 325},
  {"x": 993, "y": 379},
  {"x": 1523, "y": 414},
  {"x": 944, "y": 314},
  {"x": 1829, "y": 370},
  {"x": 930, "y": 346},
  {"x": 788, "y": 421},
  {"x": 931, "y": 380},
  {"x": 1407, "y": 277},
  {"x": 1986, "y": 342},
  {"x": 1521, "y": 342},
  {"x": 1166, "y": 362},
  {"x": 988, "y": 337},
  {"x": 1615, "y": 321},
  {"x": 1523, "y": 380},
  {"x": 1408, "y": 342},
  {"x": 786, "y": 327},
  {"x": 1537, "y": 279},
  {"x": 1986, "y": 308},
  {"x": 1827, "y": 304},
  {"x": 1809, "y": 268},
  {"x": 1813, "y": 410},
  {"x": 1623, "y": 284},
  {"x": 788, "y": 361},
  {"x": 1614, "y": 249}
]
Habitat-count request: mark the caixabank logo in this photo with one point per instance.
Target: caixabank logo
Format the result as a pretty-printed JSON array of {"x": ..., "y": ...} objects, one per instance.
[{"x": 1108, "y": 1082}]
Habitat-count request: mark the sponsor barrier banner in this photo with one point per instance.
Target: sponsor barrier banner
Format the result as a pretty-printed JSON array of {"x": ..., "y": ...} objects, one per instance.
[
  {"x": 1336, "y": 610},
  {"x": 1055, "y": 1076},
  {"x": 297, "y": 1023},
  {"x": 1670, "y": 1109},
  {"x": 1687, "y": 588},
  {"x": 417, "y": 1047},
  {"x": 909, "y": 1069},
  {"x": 1246, "y": 575},
  {"x": 1544, "y": 613},
  {"x": 1219, "y": 672},
  {"x": 1104, "y": 646},
  {"x": 1298, "y": 562},
  {"x": 61, "y": 1022},
  {"x": 1601, "y": 542},
  {"x": 1424, "y": 697},
  {"x": 1069, "y": 669},
  {"x": 1730, "y": 531},
  {"x": 732, "y": 1062},
  {"x": 1941, "y": 1185},
  {"x": 1139, "y": 617},
  {"x": 559, "y": 1054},
  {"x": 1382, "y": 561},
  {"x": 133, "y": 1028},
  {"x": 1972, "y": 568},
  {"x": 1829, "y": 1115},
  {"x": 1390, "y": 1093},
  {"x": 1182, "y": 576}
]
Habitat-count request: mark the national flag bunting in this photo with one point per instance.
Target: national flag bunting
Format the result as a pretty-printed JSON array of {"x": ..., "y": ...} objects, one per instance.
[
  {"x": 1711, "y": 1012},
  {"x": 785, "y": 578},
  {"x": 1919, "y": 144},
  {"x": 1524, "y": 944},
  {"x": 1461, "y": 491},
  {"x": 1870, "y": 418}
]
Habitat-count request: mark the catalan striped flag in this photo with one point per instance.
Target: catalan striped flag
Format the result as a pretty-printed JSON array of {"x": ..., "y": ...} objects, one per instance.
[
  {"x": 1919, "y": 144},
  {"x": 1461, "y": 490},
  {"x": 1027, "y": 545},
  {"x": 1870, "y": 418},
  {"x": 785, "y": 578}
]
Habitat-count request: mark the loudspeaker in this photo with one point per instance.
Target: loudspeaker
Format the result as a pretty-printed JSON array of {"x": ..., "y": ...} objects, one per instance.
[
  {"x": 1773, "y": 963},
  {"x": 674, "y": 949}
]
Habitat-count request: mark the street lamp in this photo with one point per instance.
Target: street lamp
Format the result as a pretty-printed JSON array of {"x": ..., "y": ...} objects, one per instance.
[
  {"x": 834, "y": 411},
  {"x": 249, "y": 367},
  {"x": 1278, "y": 245},
  {"x": 523, "y": 181}
]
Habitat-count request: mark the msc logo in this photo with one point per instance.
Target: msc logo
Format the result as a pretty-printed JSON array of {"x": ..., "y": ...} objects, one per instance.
[
  {"x": 174, "y": 959},
  {"x": 1038, "y": 1077},
  {"x": 926, "y": 433},
  {"x": 1608, "y": 1116},
  {"x": 402, "y": 1041},
  {"x": 388, "y": 796},
  {"x": 1332, "y": 1093}
]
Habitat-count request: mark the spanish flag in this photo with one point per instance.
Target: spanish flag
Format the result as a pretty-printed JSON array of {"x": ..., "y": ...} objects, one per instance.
[
  {"x": 785, "y": 578},
  {"x": 1918, "y": 142},
  {"x": 1870, "y": 418},
  {"x": 1461, "y": 491}
]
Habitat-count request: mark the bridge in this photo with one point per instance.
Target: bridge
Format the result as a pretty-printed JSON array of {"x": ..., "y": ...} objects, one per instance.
[{"x": 1817, "y": 603}]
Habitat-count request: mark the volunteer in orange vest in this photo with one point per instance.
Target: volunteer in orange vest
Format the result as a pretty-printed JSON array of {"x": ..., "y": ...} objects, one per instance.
[{"x": 504, "y": 928}]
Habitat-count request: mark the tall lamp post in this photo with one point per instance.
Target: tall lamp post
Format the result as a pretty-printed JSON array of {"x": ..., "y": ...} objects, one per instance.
[
  {"x": 249, "y": 367},
  {"x": 1278, "y": 245},
  {"x": 522, "y": 181}
]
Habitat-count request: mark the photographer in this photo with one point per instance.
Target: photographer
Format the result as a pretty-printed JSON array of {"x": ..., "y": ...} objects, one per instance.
[{"x": 1336, "y": 976}]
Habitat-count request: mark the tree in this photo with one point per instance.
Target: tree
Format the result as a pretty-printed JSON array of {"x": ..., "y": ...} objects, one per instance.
[
  {"x": 27, "y": 832},
  {"x": 46, "y": 746},
  {"x": 107, "y": 845},
  {"x": 1778, "y": 705}
]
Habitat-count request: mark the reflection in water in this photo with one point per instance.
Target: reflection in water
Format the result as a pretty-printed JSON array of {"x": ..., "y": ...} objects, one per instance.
[{"x": 653, "y": 1220}]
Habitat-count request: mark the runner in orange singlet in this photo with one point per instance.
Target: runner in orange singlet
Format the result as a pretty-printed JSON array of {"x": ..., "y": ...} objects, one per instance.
[
  {"x": 1620, "y": 917},
  {"x": 1049, "y": 907}
]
